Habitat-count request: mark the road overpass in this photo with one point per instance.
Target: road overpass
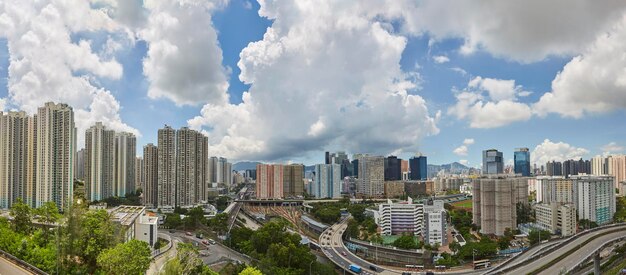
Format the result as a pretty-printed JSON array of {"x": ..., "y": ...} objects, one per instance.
[
  {"x": 565, "y": 255},
  {"x": 9, "y": 268}
]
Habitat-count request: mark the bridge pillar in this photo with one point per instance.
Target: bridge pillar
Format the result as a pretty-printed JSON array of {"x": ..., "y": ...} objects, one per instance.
[{"x": 596, "y": 263}]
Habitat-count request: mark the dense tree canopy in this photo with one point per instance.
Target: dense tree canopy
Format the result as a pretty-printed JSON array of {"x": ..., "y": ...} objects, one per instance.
[
  {"x": 406, "y": 242},
  {"x": 132, "y": 257}
]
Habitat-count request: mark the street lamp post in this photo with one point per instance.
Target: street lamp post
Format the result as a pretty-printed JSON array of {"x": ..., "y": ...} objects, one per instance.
[{"x": 310, "y": 266}]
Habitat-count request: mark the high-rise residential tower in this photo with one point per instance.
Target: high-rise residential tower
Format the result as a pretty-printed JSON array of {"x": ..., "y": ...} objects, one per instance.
[
  {"x": 371, "y": 176},
  {"x": 191, "y": 161},
  {"x": 269, "y": 181},
  {"x": 99, "y": 162},
  {"x": 418, "y": 166},
  {"x": 139, "y": 174},
  {"x": 166, "y": 167},
  {"x": 495, "y": 202},
  {"x": 293, "y": 180},
  {"x": 521, "y": 160},
  {"x": 79, "y": 165},
  {"x": 327, "y": 181},
  {"x": 594, "y": 198},
  {"x": 151, "y": 175},
  {"x": 492, "y": 162},
  {"x": 125, "y": 153},
  {"x": 56, "y": 147},
  {"x": 14, "y": 148}
]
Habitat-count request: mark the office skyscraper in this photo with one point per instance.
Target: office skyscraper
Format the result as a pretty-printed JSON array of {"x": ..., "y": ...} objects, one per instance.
[
  {"x": 151, "y": 175},
  {"x": 393, "y": 168},
  {"x": 418, "y": 166},
  {"x": 56, "y": 147},
  {"x": 167, "y": 167},
  {"x": 371, "y": 176},
  {"x": 99, "y": 162},
  {"x": 492, "y": 162},
  {"x": 521, "y": 160},
  {"x": 327, "y": 181},
  {"x": 125, "y": 153}
]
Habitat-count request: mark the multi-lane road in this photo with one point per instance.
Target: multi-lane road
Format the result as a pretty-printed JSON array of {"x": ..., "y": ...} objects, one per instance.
[
  {"x": 577, "y": 246},
  {"x": 333, "y": 247}
]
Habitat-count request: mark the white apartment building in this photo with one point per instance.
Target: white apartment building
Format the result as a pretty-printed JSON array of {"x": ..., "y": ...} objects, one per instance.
[
  {"x": 435, "y": 229},
  {"x": 554, "y": 189},
  {"x": 399, "y": 218},
  {"x": 558, "y": 218},
  {"x": 125, "y": 154},
  {"x": 371, "y": 176},
  {"x": 594, "y": 198},
  {"x": 99, "y": 162},
  {"x": 327, "y": 181}
]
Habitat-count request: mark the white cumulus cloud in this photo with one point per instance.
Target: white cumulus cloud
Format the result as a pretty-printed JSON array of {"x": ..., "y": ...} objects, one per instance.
[
  {"x": 490, "y": 103},
  {"x": 311, "y": 88},
  {"x": 440, "y": 59},
  {"x": 612, "y": 148},
  {"x": 184, "y": 61},
  {"x": 558, "y": 151},
  {"x": 462, "y": 150},
  {"x": 593, "y": 82},
  {"x": 525, "y": 31},
  {"x": 45, "y": 64}
]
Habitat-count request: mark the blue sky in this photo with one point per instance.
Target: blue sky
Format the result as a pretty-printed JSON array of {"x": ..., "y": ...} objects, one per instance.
[{"x": 238, "y": 23}]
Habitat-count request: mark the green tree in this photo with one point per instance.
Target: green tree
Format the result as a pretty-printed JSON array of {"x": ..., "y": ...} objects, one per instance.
[
  {"x": 405, "y": 242},
  {"x": 195, "y": 217},
  {"x": 48, "y": 213},
  {"x": 250, "y": 271},
  {"x": 525, "y": 214},
  {"x": 221, "y": 203},
  {"x": 132, "y": 257},
  {"x": 535, "y": 236},
  {"x": 172, "y": 221},
  {"x": 357, "y": 211},
  {"x": 219, "y": 223},
  {"x": 353, "y": 229},
  {"x": 22, "y": 214},
  {"x": 187, "y": 262}
]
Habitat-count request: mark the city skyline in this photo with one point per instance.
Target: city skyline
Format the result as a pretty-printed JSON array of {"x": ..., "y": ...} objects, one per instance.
[{"x": 453, "y": 92}]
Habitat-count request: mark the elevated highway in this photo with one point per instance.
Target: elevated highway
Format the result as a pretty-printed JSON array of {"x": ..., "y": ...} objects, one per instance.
[{"x": 564, "y": 256}]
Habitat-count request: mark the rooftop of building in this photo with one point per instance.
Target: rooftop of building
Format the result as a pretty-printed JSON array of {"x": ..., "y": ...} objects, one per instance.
[{"x": 126, "y": 214}]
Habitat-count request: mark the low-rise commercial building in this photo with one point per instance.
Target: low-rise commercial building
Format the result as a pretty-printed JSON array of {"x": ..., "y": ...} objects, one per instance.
[
  {"x": 136, "y": 223},
  {"x": 558, "y": 218}
]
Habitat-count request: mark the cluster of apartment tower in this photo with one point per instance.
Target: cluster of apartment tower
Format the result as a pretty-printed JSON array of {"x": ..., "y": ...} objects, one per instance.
[
  {"x": 39, "y": 162},
  {"x": 562, "y": 199},
  {"x": 37, "y": 156}
]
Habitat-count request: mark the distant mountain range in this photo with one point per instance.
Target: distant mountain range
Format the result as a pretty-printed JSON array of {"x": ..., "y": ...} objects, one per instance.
[
  {"x": 450, "y": 168},
  {"x": 245, "y": 165},
  {"x": 433, "y": 169}
]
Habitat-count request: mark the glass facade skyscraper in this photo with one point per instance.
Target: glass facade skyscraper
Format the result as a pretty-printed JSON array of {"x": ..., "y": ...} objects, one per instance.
[
  {"x": 419, "y": 168},
  {"x": 492, "y": 162},
  {"x": 521, "y": 160}
]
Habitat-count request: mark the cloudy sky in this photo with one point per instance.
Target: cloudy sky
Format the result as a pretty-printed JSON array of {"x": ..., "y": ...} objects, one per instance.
[{"x": 286, "y": 80}]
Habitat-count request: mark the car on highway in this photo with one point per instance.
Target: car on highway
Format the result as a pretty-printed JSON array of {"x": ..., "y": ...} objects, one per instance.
[
  {"x": 188, "y": 234},
  {"x": 343, "y": 253},
  {"x": 205, "y": 242},
  {"x": 211, "y": 241},
  {"x": 373, "y": 268},
  {"x": 406, "y": 273}
]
